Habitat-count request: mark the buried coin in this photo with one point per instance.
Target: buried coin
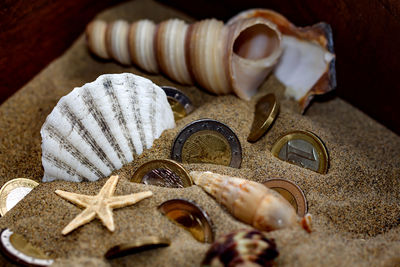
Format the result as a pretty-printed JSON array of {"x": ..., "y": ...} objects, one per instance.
[
  {"x": 162, "y": 172},
  {"x": 138, "y": 245},
  {"x": 207, "y": 141},
  {"x": 304, "y": 149},
  {"x": 291, "y": 192},
  {"x": 265, "y": 113},
  {"x": 13, "y": 192},
  {"x": 16, "y": 248},
  {"x": 191, "y": 217},
  {"x": 179, "y": 102}
]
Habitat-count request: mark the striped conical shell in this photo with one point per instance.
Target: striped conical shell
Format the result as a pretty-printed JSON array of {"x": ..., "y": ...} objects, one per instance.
[
  {"x": 99, "y": 127},
  {"x": 220, "y": 58}
]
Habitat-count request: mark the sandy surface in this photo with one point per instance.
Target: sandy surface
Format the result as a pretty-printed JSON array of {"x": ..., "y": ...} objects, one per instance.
[{"x": 355, "y": 206}]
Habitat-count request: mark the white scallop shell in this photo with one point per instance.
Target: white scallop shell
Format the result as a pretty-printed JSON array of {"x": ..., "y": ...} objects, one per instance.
[{"x": 99, "y": 127}]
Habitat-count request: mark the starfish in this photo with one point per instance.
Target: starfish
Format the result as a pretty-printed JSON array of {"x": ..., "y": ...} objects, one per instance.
[{"x": 101, "y": 205}]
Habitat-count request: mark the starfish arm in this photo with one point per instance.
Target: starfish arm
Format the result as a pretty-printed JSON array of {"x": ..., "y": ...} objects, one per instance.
[
  {"x": 108, "y": 188},
  {"x": 106, "y": 217},
  {"x": 84, "y": 217},
  {"x": 81, "y": 200},
  {"x": 122, "y": 201}
]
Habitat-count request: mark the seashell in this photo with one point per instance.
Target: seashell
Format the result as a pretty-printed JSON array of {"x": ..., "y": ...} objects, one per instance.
[
  {"x": 191, "y": 217},
  {"x": 221, "y": 58},
  {"x": 307, "y": 65},
  {"x": 241, "y": 248},
  {"x": 99, "y": 127},
  {"x": 251, "y": 202}
]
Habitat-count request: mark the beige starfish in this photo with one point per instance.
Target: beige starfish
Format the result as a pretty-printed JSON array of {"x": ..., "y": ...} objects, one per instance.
[{"x": 101, "y": 205}]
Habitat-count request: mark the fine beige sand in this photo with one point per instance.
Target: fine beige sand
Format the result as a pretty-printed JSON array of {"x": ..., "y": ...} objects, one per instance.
[{"x": 355, "y": 206}]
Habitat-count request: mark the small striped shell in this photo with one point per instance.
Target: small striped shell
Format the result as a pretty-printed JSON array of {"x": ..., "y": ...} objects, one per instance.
[{"x": 99, "y": 127}]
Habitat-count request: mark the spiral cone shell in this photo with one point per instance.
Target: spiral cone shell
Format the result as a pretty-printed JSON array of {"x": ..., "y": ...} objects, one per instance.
[
  {"x": 250, "y": 202},
  {"x": 99, "y": 127},
  {"x": 220, "y": 58}
]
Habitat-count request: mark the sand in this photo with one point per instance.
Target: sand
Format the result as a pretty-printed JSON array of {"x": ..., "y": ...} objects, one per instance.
[{"x": 355, "y": 206}]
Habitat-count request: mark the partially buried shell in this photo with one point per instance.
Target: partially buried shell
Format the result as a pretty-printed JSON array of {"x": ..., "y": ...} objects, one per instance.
[
  {"x": 251, "y": 202},
  {"x": 191, "y": 217},
  {"x": 242, "y": 248},
  {"x": 307, "y": 65},
  {"x": 221, "y": 58},
  {"x": 99, "y": 127}
]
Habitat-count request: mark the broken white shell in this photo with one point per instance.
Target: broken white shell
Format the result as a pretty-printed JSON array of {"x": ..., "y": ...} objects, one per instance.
[
  {"x": 251, "y": 202},
  {"x": 221, "y": 58},
  {"x": 99, "y": 127},
  {"x": 307, "y": 65}
]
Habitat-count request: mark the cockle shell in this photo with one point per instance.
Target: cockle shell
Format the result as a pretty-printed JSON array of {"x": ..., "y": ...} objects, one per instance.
[
  {"x": 250, "y": 202},
  {"x": 307, "y": 65},
  {"x": 99, "y": 127},
  {"x": 221, "y": 58}
]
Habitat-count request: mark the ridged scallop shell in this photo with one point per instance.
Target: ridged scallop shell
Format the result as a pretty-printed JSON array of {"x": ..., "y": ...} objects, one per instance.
[
  {"x": 307, "y": 65},
  {"x": 251, "y": 202},
  {"x": 221, "y": 58},
  {"x": 99, "y": 127}
]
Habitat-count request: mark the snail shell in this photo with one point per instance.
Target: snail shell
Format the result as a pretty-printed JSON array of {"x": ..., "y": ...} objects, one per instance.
[
  {"x": 221, "y": 58},
  {"x": 251, "y": 202}
]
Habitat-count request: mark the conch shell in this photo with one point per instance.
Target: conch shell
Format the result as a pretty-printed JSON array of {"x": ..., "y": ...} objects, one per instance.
[
  {"x": 221, "y": 58},
  {"x": 251, "y": 202},
  {"x": 307, "y": 65}
]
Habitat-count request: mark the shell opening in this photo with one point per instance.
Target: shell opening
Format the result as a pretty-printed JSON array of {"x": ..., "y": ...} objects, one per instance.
[{"x": 256, "y": 42}]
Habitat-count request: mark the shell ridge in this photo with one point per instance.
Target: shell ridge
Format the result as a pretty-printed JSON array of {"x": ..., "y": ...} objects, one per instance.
[
  {"x": 63, "y": 166},
  {"x": 99, "y": 118},
  {"x": 153, "y": 112},
  {"x": 86, "y": 136},
  {"x": 135, "y": 108},
  {"x": 119, "y": 115},
  {"x": 71, "y": 149}
]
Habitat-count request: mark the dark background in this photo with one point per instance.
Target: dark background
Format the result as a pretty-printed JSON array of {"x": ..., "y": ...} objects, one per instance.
[{"x": 366, "y": 36}]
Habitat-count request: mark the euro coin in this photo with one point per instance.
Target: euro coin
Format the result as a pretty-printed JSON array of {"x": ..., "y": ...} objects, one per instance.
[
  {"x": 180, "y": 104},
  {"x": 138, "y": 245},
  {"x": 207, "y": 141},
  {"x": 13, "y": 192},
  {"x": 162, "y": 172},
  {"x": 20, "y": 251},
  {"x": 265, "y": 113},
  {"x": 291, "y": 192},
  {"x": 304, "y": 149}
]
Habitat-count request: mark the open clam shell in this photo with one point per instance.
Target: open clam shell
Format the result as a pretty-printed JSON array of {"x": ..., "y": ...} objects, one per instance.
[
  {"x": 191, "y": 217},
  {"x": 221, "y": 58},
  {"x": 99, "y": 127},
  {"x": 307, "y": 65}
]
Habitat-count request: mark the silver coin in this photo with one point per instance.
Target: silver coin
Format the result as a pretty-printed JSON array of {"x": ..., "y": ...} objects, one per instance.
[
  {"x": 300, "y": 152},
  {"x": 180, "y": 97},
  {"x": 207, "y": 141}
]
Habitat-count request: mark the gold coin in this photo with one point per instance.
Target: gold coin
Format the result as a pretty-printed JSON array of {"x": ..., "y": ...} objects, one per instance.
[
  {"x": 14, "y": 191},
  {"x": 19, "y": 250},
  {"x": 177, "y": 108},
  {"x": 189, "y": 216},
  {"x": 180, "y": 104},
  {"x": 207, "y": 141},
  {"x": 265, "y": 113},
  {"x": 291, "y": 192},
  {"x": 302, "y": 148},
  {"x": 162, "y": 172},
  {"x": 138, "y": 245}
]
